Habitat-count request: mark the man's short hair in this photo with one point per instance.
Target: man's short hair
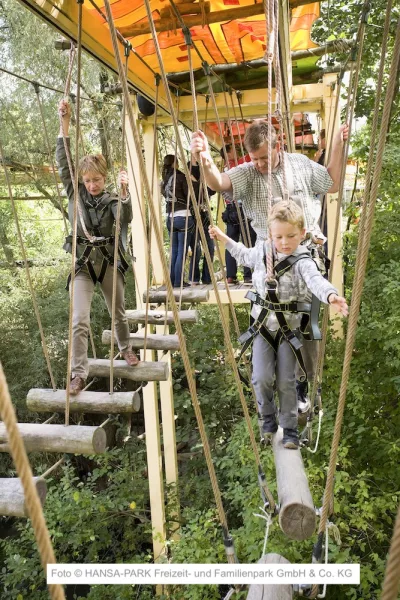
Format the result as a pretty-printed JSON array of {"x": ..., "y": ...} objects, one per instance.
[
  {"x": 92, "y": 162},
  {"x": 258, "y": 133},
  {"x": 287, "y": 211}
]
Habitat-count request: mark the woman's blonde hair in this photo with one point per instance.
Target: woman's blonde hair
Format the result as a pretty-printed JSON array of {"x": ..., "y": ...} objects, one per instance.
[
  {"x": 92, "y": 162},
  {"x": 287, "y": 211}
]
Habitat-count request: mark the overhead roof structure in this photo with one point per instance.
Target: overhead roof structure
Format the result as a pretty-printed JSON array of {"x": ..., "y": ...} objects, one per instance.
[{"x": 225, "y": 32}]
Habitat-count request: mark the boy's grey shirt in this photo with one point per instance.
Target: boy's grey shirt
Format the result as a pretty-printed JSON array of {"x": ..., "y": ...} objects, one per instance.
[{"x": 297, "y": 284}]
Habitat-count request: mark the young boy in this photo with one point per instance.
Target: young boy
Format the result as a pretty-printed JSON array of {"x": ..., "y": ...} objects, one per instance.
[
  {"x": 295, "y": 285},
  {"x": 95, "y": 262}
]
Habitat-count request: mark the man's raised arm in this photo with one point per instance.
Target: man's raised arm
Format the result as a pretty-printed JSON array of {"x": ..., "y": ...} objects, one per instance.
[
  {"x": 220, "y": 182},
  {"x": 337, "y": 156}
]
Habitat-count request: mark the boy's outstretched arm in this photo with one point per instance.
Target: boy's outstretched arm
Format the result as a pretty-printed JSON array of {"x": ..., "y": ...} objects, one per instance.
[
  {"x": 243, "y": 256},
  {"x": 339, "y": 304}
]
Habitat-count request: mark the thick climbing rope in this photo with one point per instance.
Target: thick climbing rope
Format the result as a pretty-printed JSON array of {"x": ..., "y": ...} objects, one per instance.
[
  {"x": 360, "y": 269},
  {"x": 153, "y": 167},
  {"x": 21, "y": 461},
  {"x": 28, "y": 274},
  {"x": 116, "y": 273},
  {"x": 158, "y": 235},
  {"x": 225, "y": 326},
  {"x": 391, "y": 581},
  {"x": 74, "y": 178},
  {"x": 379, "y": 88}
]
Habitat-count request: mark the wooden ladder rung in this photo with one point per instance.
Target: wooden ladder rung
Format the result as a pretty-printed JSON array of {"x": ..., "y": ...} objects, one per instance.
[
  {"x": 71, "y": 439},
  {"x": 42, "y": 400},
  {"x": 155, "y": 341},
  {"x": 157, "y": 317},
  {"x": 187, "y": 295},
  {"x": 144, "y": 371},
  {"x": 12, "y": 498}
]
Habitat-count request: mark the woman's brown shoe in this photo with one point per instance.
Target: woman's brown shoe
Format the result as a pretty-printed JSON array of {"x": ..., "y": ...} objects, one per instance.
[
  {"x": 77, "y": 384},
  {"x": 130, "y": 357}
]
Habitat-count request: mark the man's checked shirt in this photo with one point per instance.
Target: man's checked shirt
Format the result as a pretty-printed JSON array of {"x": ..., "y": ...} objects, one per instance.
[{"x": 250, "y": 186}]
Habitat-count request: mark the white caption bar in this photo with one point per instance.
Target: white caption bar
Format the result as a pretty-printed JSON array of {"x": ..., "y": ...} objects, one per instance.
[{"x": 189, "y": 574}]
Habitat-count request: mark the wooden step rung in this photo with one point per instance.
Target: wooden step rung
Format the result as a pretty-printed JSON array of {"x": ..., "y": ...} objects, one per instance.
[
  {"x": 187, "y": 295},
  {"x": 268, "y": 591},
  {"x": 157, "y": 317},
  {"x": 154, "y": 340},
  {"x": 144, "y": 371},
  {"x": 297, "y": 517},
  {"x": 71, "y": 439},
  {"x": 12, "y": 497},
  {"x": 42, "y": 400}
]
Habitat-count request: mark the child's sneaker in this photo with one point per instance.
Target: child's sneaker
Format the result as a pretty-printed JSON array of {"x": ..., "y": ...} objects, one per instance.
[
  {"x": 269, "y": 425},
  {"x": 290, "y": 439},
  {"x": 303, "y": 401}
]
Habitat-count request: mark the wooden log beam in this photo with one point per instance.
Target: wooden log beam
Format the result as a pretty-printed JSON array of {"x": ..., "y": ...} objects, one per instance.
[
  {"x": 217, "y": 16},
  {"x": 185, "y": 8},
  {"x": 144, "y": 371},
  {"x": 297, "y": 512},
  {"x": 41, "y": 400},
  {"x": 267, "y": 591},
  {"x": 157, "y": 317},
  {"x": 72, "y": 439},
  {"x": 12, "y": 497},
  {"x": 154, "y": 341},
  {"x": 187, "y": 295}
]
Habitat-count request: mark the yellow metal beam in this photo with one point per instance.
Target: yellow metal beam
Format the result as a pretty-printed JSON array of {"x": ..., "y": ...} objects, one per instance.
[{"x": 63, "y": 15}]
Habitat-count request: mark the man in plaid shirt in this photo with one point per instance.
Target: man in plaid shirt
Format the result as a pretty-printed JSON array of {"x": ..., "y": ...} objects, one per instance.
[{"x": 305, "y": 179}]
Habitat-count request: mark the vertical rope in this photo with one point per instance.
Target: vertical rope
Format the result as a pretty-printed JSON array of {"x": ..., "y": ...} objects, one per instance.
[
  {"x": 28, "y": 274},
  {"x": 20, "y": 458},
  {"x": 50, "y": 153},
  {"x": 392, "y": 574},
  {"x": 76, "y": 208}
]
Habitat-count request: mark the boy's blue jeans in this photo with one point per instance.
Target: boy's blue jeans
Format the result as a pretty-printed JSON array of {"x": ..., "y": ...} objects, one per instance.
[{"x": 266, "y": 368}]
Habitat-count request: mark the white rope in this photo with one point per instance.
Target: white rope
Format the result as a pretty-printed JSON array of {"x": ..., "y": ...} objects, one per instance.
[
  {"x": 336, "y": 535},
  {"x": 313, "y": 451},
  {"x": 268, "y": 522}
]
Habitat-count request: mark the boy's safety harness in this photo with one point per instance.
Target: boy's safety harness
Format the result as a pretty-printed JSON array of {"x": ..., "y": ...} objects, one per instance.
[
  {"x": 309, "y": 322},
  {"x": 101, "y": 242}
]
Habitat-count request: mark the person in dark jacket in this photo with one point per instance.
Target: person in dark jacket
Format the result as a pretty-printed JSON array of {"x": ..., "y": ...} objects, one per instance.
[
  {"x": 94, "y": 259},
  {"x": 180, "y": 222},
  {"x": 195, "y": 240}
]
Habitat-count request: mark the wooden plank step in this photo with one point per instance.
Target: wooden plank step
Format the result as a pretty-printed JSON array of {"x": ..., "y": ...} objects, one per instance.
[
  {"x": 155, "y": 341},
  {"x": 187, "y": 295},
  {"x": 71, "y": 439},
  {"x": 12, "y": 498},
  {"x": 42, "y": 400},
  {"x": 157, "y": 317},
  {"x": 144, "y": 371},
  {"x": 268, "y": 591},
  {"x": 297, "y": 513}
]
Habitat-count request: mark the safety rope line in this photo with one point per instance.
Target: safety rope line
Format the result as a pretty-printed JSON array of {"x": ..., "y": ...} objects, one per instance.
[
  {"x": 349, "y": 112},
  {"x": 242, "y": 221},
  {"x": 189, "y": 373},
  {"x": 191, "y": 381},
  {"x": 21, "y": 462},
  {"x": 74, "y": 177},
  {"x": 50, "y": 153},
  {"x": 75, "y": 180},
  {"x": 264, "y": 488},
  {"x": 153, "y": 166},
  {"x": 117, "y": 228},
  {"x": 27, "y": 270},
  {"x": 391, "y": 581},
  {"x": 268, "y": 9},
  {"x": 171, "y": 218},
  {"x": 359, "y": 277}
]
